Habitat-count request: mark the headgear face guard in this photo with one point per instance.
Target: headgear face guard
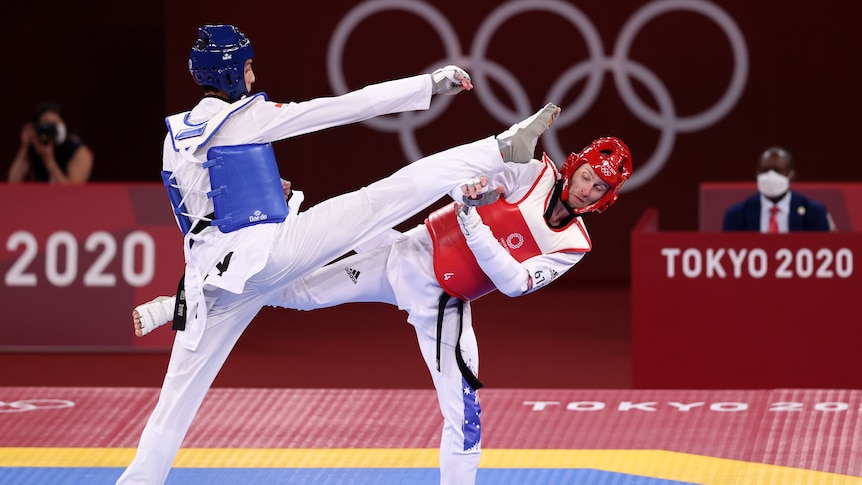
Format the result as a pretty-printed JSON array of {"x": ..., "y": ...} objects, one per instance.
[
  {"x": 218, "y": 59},
  {"x": 610, "y": 159}
]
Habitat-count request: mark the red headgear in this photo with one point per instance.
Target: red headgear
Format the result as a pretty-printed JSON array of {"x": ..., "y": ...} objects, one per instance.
[{"x": 610, "y": 159}]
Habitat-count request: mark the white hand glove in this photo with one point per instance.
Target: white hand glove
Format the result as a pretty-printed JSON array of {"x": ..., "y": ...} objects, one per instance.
[
  {"x": 450, "y": 80},
  {"x": 469, "y": 220}
]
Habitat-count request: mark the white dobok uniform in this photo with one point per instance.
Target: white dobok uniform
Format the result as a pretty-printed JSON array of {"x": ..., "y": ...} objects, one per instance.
[
  {"x": 400, "y": 270},
  {"x": 230, "y": 276}
]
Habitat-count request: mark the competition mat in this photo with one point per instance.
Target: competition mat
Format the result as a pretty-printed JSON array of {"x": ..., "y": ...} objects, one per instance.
[{"x": 84, "y": 435}]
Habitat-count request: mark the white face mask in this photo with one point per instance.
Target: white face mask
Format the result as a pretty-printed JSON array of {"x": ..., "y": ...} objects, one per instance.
[
  {"x": 772, "y": 184},
  {"x": 61, "y": 133}
]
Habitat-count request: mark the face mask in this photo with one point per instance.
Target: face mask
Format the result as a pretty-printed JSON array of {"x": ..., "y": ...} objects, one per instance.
[
  {"x": 61, "y": 133},
  {"x": 772, "y": 184}
]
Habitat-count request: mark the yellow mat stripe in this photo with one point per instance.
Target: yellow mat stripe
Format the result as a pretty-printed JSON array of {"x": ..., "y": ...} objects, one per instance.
[{"x": 649, "y": 463}]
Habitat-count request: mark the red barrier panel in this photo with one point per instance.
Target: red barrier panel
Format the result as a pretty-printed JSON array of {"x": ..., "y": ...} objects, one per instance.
[
  {"x": 76, "y": 259},
  {"x": 744, "y": 310}
]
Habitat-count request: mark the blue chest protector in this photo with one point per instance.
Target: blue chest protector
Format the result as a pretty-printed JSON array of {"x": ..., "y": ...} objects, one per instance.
[
  {"x": 246, "y": 186},
  {"x": 244, "y": 179}
]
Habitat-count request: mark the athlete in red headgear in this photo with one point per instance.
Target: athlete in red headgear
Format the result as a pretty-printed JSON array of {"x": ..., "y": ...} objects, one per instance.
[{"x": 525, "y": 239}]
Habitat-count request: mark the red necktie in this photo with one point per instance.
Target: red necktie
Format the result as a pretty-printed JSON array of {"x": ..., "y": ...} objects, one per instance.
[{"x": 773, "y": 220}]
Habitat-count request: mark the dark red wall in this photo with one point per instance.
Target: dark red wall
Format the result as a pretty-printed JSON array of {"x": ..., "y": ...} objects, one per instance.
[
  {"x": 119, "y": 74},
  {"x": 103, "y": 64}
]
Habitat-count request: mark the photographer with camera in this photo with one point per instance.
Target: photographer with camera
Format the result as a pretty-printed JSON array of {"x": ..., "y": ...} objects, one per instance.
[{"x": 48, "y": 152}]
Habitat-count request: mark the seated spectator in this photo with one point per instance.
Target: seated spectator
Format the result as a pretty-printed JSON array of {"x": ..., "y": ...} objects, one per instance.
[
  {"x": 776, "y": 208},
  {"x": 50, "y": 153}
]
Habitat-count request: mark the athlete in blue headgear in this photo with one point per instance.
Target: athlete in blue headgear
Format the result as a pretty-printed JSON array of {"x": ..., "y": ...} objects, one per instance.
[
  {"x": 243, "y": 244},
  {"x": 218, "y": 60}
]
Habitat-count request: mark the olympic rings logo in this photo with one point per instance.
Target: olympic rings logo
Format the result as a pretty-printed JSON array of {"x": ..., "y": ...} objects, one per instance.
[
  {"x": 515, "y": 240},
  {"x": 622, "y": 67},
  {"x": 25, "y": 405}
]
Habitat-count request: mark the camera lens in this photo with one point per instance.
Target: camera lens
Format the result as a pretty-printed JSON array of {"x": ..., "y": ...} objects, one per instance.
[{"x": 46, "y": 132}]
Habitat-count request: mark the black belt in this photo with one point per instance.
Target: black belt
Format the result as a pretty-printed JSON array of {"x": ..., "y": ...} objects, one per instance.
[
  {"x": 179, "y": 321},
  {"x": 471, "y": 379}
]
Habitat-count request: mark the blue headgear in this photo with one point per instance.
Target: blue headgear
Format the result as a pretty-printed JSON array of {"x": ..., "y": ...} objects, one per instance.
[{"x": 218, "y": 59}]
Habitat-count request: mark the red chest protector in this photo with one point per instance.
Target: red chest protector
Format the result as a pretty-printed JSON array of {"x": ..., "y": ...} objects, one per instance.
[{"x": 519, "y": 227}]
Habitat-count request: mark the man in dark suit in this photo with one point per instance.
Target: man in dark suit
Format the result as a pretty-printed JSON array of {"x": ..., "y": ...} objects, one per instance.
[{"x": 775, "y": 208}]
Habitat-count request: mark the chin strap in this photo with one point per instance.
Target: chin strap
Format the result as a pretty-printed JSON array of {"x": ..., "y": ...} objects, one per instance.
[{"x": 558, "y": 190}]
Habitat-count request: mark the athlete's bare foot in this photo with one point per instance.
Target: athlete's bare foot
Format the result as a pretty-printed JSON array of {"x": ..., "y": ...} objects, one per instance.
[{"x": 136, "y": 319}]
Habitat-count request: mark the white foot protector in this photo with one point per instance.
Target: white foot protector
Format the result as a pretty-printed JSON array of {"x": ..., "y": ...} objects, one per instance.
[
  {"x": 156, "y": 313},
  {"x": 518, "y": 143}
]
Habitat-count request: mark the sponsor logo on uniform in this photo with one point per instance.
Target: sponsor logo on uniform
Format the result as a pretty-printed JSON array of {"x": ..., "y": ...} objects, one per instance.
[
  {"x": 353, "y": 274},
  {"x": 446, "y": 276},
  {"x": 257, "y": 216}
]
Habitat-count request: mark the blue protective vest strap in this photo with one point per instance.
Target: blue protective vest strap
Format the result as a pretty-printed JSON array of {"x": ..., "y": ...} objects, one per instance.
[{"x": 177, "y": 202}]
